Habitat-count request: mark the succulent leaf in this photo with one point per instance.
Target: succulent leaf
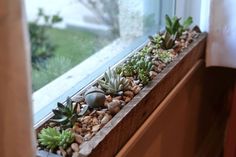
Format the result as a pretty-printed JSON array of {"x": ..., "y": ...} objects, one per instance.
[
  {"x": 112, "y": 81},
  {"x": 66, "y": 115}
]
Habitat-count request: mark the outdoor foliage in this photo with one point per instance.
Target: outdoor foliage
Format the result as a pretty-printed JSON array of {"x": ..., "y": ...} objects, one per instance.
[
  {"x": 44, "y": 73},
  {"x": 41, "y": 45}
]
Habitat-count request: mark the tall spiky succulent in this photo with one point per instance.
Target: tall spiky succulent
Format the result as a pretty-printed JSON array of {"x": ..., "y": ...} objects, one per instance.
[
  {"x": 113, "y": 83},
  {"x": 174, "y": 27},
  {"x": 67, "y": 115},
  {"x": 168, "y": 41},
  {"x": 51, "y": 138}
]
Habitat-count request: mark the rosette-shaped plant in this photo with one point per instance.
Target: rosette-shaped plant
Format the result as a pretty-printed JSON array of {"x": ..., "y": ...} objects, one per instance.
[
  {"x": 51, "y": 138},
  {"x": 113, "y": 83},
  {"x": 67, "y": 115},
  {"x": 143, "y": 67},
  {"x": 156, "y": 40},
  {"x": 164, "y": 55}
]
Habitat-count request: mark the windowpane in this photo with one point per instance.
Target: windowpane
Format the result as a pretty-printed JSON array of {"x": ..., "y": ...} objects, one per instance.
[{"x": 82, "y": 38}]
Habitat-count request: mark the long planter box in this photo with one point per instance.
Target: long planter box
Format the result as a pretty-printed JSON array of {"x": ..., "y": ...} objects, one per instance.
[{"x": 112, "y": 137}]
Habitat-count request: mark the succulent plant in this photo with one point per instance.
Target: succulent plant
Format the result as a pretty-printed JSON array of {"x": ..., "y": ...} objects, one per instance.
[
  {"x": 156, "y": 40},
  {"x": 174, "y": 27},
  {"x": 67, "y": 115},
  {"x": 168, "y": 41},
  {"x": 143, "y": 67},
  {"x": 145, "y": 51},
  {"x": 127, "y": 69},
  {"x": 165, "y": 56},
  {"x": 143, "y": 76},
  {"x": 51, "y": 138},
  {"x": 113, "y": 83},
  {"x": 94, "y": 97}
]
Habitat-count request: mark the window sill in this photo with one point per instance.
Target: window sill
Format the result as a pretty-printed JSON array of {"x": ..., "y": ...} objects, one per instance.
[{"x": 143, "y": 104}]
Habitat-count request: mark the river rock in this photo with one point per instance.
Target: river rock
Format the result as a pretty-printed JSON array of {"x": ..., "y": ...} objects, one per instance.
[
  {"x": 75, "y": 147},
  {"x": 95, "y": 128},
  {"x": 78, "y": 138},
  {"x": 106, "y": 119},
  {"x": 129, "y": 94}
]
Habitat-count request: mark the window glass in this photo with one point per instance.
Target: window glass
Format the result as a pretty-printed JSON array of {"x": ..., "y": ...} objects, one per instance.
[{"x": 86, "y": 35}]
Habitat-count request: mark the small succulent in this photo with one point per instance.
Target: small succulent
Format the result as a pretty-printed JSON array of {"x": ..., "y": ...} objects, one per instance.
[
  {"x": 143, "y": 76},
  {"x": 156, "y": 40},
  {"x": 174, "y": 27},
  {"x": 51, "y": 138},
  {"x": 165, "y": 56},
  {"x": 67, "y": 115},
  {"x": 127, "y": 69},
  {"x": 143, "y": 67},
  {"x": 114, "y": 83},
  {"x": 145, "y": 51}
]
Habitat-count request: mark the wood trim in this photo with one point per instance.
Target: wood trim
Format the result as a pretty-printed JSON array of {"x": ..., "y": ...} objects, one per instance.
[{"x": 158, "y": 111}]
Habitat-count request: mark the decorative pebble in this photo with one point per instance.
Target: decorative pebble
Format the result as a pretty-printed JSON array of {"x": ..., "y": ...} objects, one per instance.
[
  {"x": 152, "y": 74},
  {"x": 136, "y": 82},
  {"x": 86, "y": 119},
  {"x": 126, "y": 99},
  {"x": 96, "y": 128},
  {"x": 78, "y": 138},
  {"x": 129, "y": 94},
  {"x": 101, "y": 112},
  {"x": 117, "y": 98},
  {"x": 106, "y": 119},
  {"x": 69, "y": 151},
  {"x": 114, "y": 106},
  {"x": 95, "y": 120},
  {"x": 52, "y": 124},
  {"x": 108, "y": 98},
  {"x": 88, "y": 136},
  {"x": 75, "y": 147},
  {"x": 156, "y": 63},
  {"x": 75, "y": 154},
  {"x": 136, "y": 89}
]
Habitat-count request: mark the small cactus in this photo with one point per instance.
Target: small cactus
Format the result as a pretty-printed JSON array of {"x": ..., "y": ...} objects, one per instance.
[
  {"x": 113, "y": 83},
  {"x": 51, "y": 138}
]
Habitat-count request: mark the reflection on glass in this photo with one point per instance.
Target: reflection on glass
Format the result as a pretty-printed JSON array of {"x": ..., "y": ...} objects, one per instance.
[{"x": 63, "y": 33}]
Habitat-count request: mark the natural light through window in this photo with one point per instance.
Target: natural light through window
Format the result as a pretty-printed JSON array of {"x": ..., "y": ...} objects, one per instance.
[{"x": 74, "y": 41}]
